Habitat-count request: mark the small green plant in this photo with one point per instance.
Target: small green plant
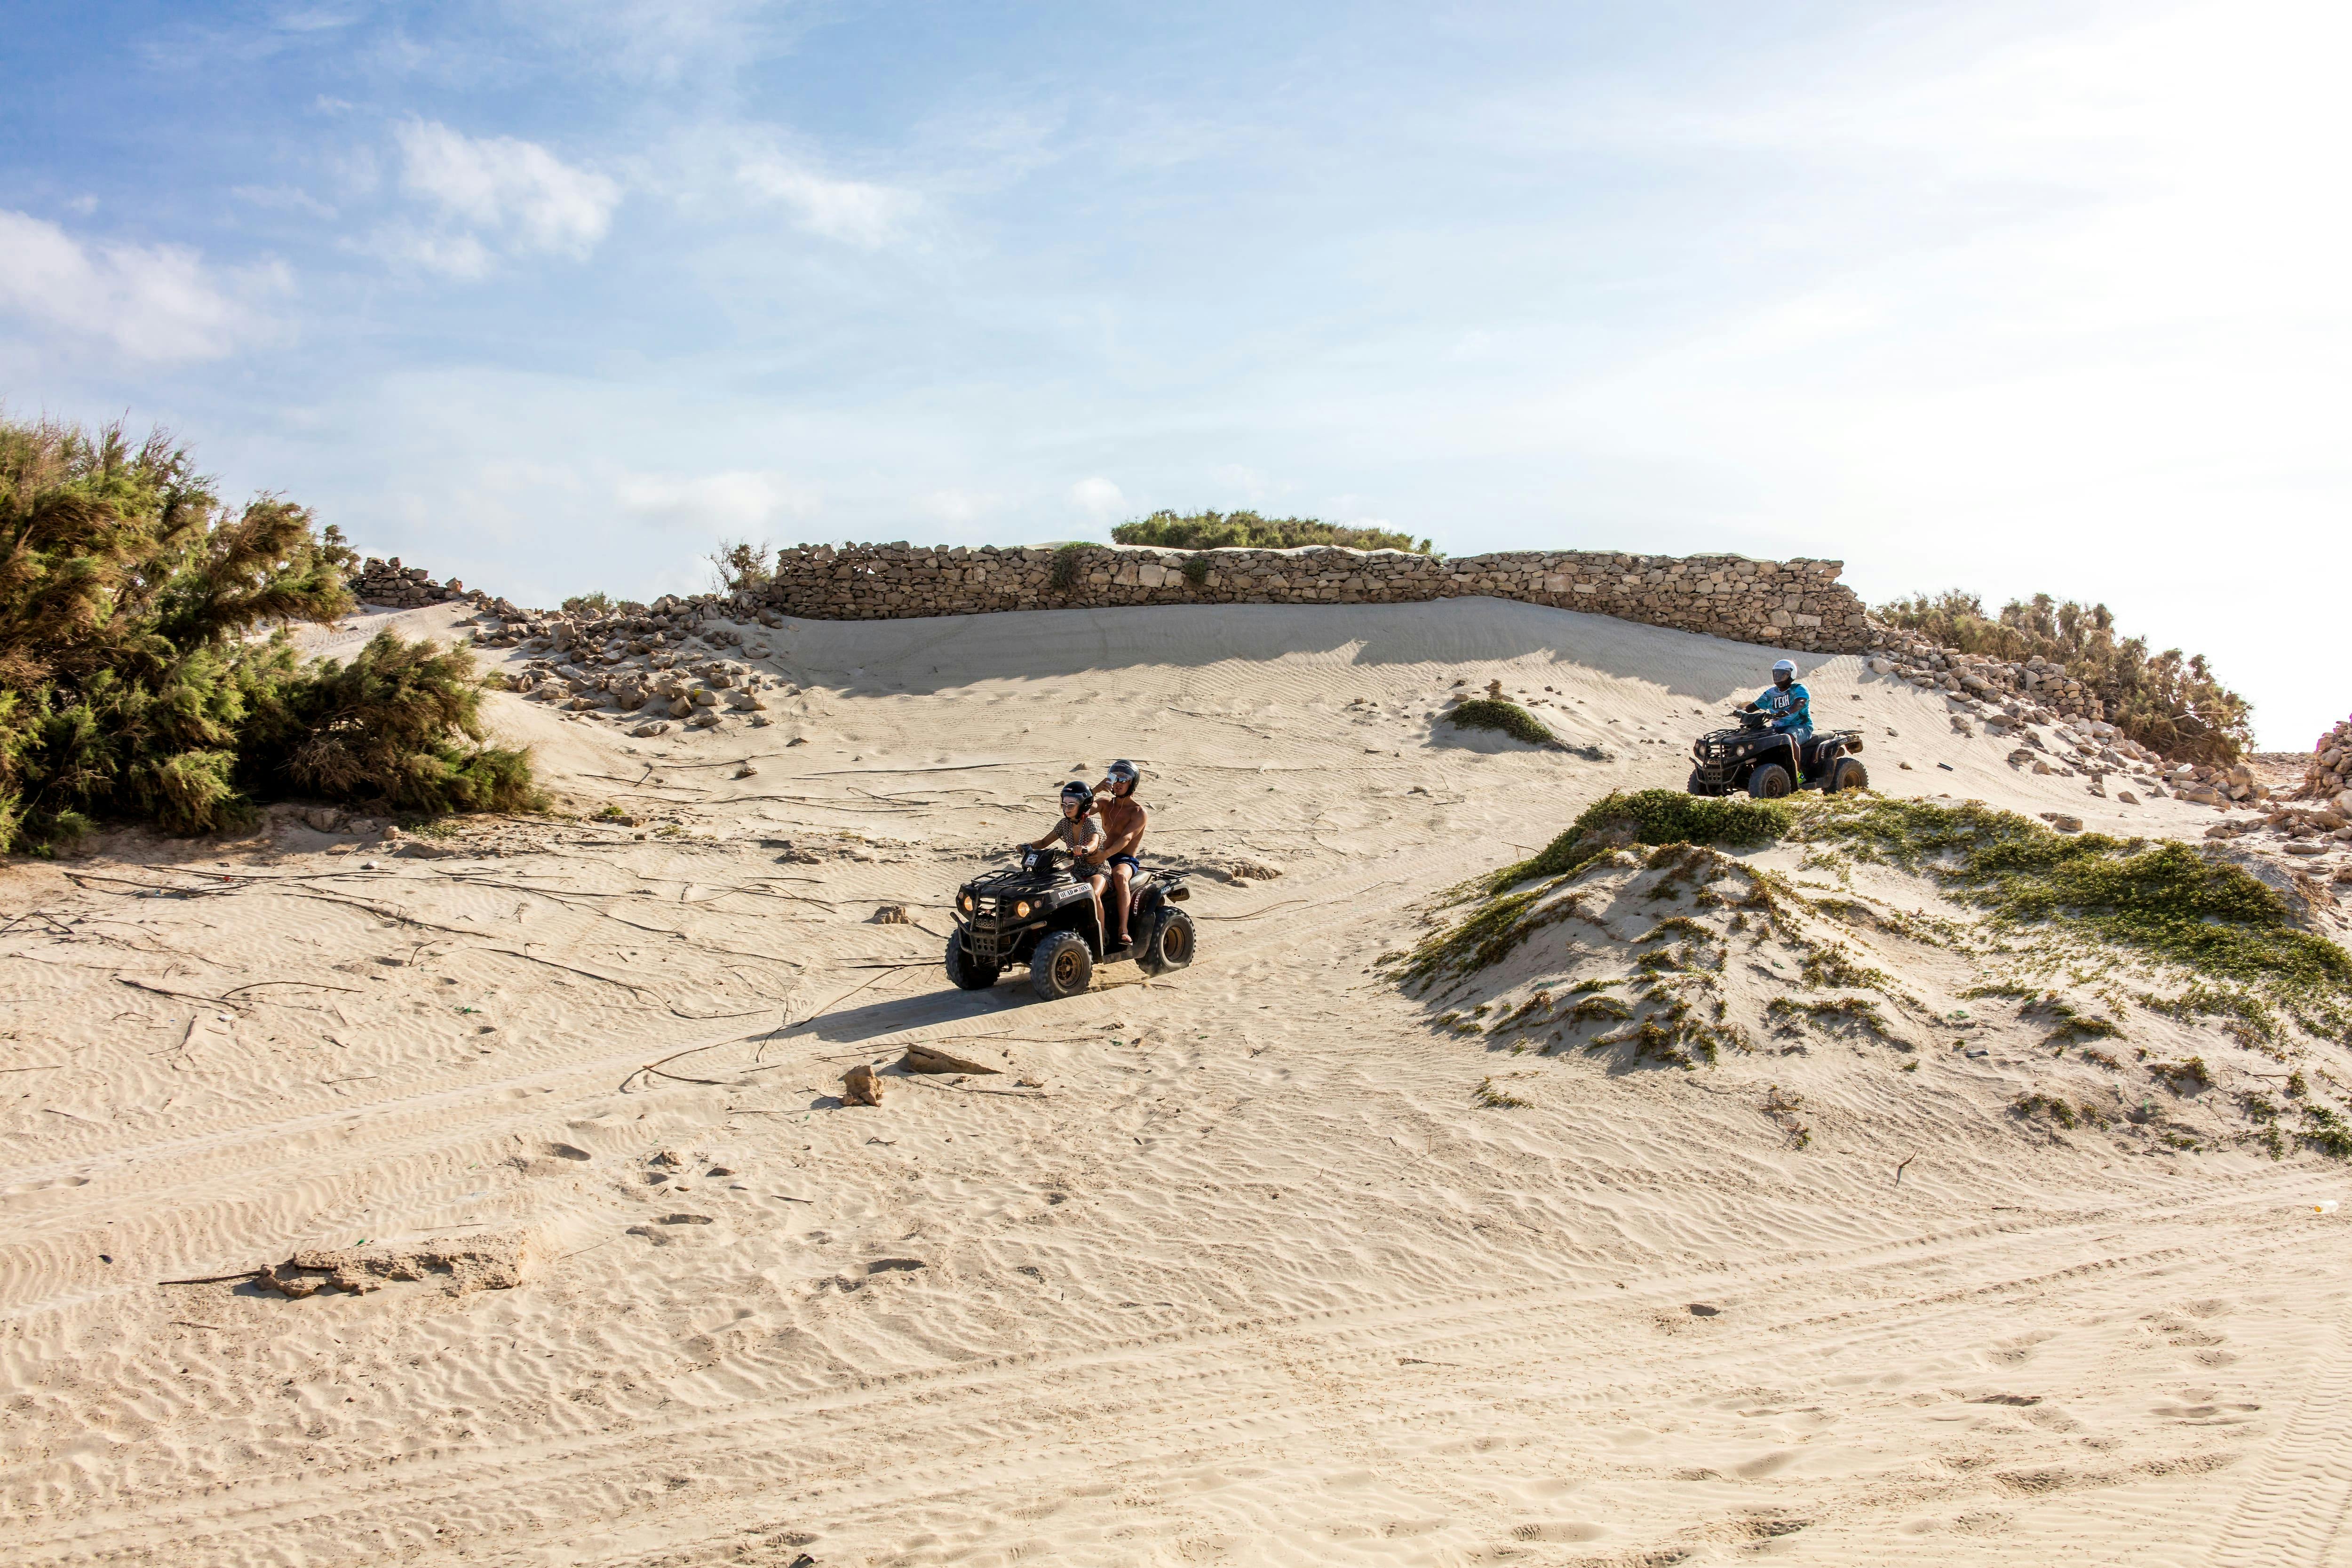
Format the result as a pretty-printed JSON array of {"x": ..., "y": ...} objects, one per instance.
[
  {"x": 1495, "y": 1097},
  {"x": 2058, "y": 1110},
  {"x": 1829, "y": 967},
  {"x": 1601, "y": 1009},
  {"x": 2183, "y": 1077},
  {"x": 1196, "y": 570},
  {"x": 2072, "y": 1025},
  {"x": 1494, "y": 713},
  {"x": 2324, "y": 1130},
  {"x": 596, "y": 604},
  {"x": 1063, "y": 574}
]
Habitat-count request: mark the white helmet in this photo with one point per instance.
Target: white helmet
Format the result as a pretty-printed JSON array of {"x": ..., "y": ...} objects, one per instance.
[{"x": 1785, "y": 667}]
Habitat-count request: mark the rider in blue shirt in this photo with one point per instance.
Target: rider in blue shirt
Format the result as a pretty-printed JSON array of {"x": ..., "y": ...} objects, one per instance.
[{"x": 1789, "y": 704}]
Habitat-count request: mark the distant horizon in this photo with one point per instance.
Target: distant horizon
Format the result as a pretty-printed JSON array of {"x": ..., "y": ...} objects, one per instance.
[{"x": 2007, "y": 298}]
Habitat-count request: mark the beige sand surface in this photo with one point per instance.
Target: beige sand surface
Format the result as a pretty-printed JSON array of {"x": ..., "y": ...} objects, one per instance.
[{"x": 1229, "y": 1268}]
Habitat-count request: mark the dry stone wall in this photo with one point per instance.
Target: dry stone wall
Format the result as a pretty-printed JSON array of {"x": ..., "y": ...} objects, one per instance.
[{"x": 1780, "y": 603}]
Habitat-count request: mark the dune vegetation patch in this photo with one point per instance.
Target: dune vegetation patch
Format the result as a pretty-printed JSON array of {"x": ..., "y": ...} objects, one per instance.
[
  {"x": 1509, "y": 718},
  {"x": 1646, "y": 933}
]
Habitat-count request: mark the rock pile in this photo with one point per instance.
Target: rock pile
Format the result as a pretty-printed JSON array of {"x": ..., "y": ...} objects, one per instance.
[
  {"x": 1782, "y": 604},
  {"x": 643, "y": 665},
  {"x": 2329, "y": 775},
  {"x": 2042, "y": 682},
  {"x": 380, "y": 582}
]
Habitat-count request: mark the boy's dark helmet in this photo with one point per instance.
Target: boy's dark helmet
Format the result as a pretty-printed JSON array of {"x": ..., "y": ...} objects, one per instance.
[{"x": 1076, "y": 791}]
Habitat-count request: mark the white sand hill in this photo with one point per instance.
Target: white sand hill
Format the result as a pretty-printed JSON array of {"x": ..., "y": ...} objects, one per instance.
[{"x": 1230, "y": 1266}]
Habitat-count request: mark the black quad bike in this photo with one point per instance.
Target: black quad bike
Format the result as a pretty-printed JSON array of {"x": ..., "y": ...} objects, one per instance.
[
  {"x": 1768, "y": 766},
  {"x": 1040, "y": 913}
]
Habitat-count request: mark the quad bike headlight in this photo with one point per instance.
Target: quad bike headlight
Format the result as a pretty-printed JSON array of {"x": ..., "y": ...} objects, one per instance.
[
  {"x": 1020, "y": 910},
  {"x": 967, "y": 903}
]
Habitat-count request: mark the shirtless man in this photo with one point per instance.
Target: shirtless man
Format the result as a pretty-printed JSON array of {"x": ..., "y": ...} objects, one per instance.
[{"x": 1123, "y": 819}]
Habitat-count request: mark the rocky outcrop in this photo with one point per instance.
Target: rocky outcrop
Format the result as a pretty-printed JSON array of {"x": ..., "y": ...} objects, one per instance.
[
  {"x": 1931, "y": 667},
  {"x": 1779, "y": 604},
  {"x": 379, "y": 581},
  {"x": 2329, "y": 775}
]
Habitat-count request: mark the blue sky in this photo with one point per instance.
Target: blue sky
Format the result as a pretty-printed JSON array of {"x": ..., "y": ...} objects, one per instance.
[{"x": 550, "y": 296}]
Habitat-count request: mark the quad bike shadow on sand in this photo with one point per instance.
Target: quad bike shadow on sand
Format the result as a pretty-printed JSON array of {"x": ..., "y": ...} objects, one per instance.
[
  {"x": 1768, "y": 764},
  {"x": 1040, "y": 913}
]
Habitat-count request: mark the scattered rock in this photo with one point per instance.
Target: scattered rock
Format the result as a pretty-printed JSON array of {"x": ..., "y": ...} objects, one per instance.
[
  {"x": 891, "y": 915},
  {"x": 460, "y": 1265},
  {"x": 2126, "y": 796},
  {"x": 2305, "y": 846},
  {"x": 687, "y": 1219},
  {"x": 746, "y": 771},
  {"x": 861, "y": 1085},
  {"x": 2041, "y": 767},
  {"x": 1701, "y": 1309},
  {"x": 658, "y": 727},
  {"x": 1255, "y": 870},
  {"x": 2061, "y": 822}
]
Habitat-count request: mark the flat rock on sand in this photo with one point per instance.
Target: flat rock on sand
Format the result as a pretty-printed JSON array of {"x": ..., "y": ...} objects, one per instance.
[{"x": 461, "y": 1265}]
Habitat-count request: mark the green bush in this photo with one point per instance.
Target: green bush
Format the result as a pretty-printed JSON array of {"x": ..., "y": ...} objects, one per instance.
[
  {"x": 2171, "y": 704},
  {"x": 1248, "y": 531},
  {"x": 596, "y": 604},
  {"x": 1494, "y": 713},
  {"x": 1064, "y": 574},
  {"x": 131, "y": 684}
]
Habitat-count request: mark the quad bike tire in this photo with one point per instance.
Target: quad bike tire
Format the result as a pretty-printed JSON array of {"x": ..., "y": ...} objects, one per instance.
[
  {"x": 1696, "y": 786},
  {"x": 1848, "y": 773},
  {"x": 1061, "y": 966},
  {"x": 968, "y": 973},
  {"x": 1170, "y": 944},
  {"x": 1769, "y": 782}
]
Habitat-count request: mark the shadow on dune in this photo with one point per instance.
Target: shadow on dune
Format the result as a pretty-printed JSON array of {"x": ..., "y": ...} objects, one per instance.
[{"x": 924, "y": 656}]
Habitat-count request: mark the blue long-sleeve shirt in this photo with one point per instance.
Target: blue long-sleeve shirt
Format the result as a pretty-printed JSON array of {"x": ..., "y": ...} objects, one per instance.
[{"x": 1792, "y": 711}]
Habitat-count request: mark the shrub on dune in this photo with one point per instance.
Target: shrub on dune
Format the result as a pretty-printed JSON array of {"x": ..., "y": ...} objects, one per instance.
[{"x": 135, "y": 679}]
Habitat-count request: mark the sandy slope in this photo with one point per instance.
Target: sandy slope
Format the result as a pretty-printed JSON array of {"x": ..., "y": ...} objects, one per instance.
[{"x": 1241, "y": 1274}]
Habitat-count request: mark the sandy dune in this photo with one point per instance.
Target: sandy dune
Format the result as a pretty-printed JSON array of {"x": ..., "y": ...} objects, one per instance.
[{"x": 1229, "y": 1268}]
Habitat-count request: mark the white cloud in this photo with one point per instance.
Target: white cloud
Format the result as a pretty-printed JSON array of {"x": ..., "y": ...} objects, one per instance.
[
  {"x": 737, "y": 501},
  {"x": 1098, "y": 498},
  {"x": 282, "y": 198},
  {"x": 151, "y": 302},
  {"x": 851, "y": 211},
  {"x": 517, "y": 193}
]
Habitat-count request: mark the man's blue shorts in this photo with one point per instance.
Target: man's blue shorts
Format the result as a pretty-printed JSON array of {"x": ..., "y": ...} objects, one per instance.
[{"x": 1134, "y": 866}]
